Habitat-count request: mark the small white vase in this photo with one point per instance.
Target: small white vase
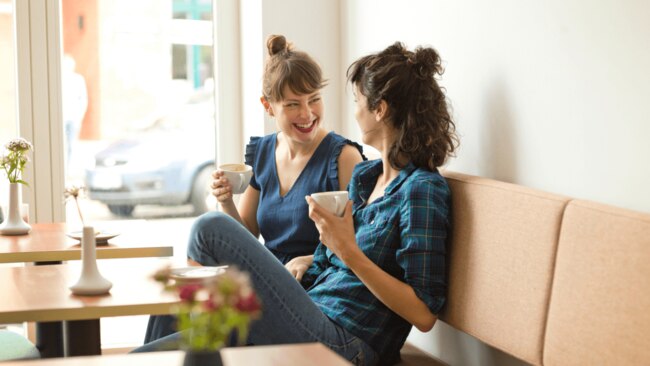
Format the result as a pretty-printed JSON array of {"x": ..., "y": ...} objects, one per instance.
[
  {"x": 91, "y": 281},
  {"x": 14, "y": 223}
]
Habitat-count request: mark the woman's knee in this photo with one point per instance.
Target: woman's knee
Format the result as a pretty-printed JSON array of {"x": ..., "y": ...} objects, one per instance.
[
  {"x": 205, "y": 229},
  {"x": 210, "y": 221},
  {"x": 209, "y": 224}
]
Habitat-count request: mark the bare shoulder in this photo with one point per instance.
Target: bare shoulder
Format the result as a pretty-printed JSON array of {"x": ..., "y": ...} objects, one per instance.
[
  {"x": 350, "y": 154},
  {"x": 349, "y": 157}
]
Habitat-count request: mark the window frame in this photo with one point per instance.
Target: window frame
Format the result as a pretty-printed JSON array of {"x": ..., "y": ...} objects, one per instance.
[{"x": 38, "y": 54}]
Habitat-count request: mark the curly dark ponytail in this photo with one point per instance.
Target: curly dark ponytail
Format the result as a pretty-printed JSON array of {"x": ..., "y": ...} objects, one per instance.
[{"x": 406, "y": 80}]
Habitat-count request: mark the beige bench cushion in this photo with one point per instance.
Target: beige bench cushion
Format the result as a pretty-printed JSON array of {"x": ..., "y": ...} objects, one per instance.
[
  {"x": 503, "y": 250},
  {"x": 600, "y": 304}
]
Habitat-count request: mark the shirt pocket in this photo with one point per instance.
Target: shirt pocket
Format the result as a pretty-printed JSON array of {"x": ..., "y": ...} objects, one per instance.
[{"x": 372, "y": 231}]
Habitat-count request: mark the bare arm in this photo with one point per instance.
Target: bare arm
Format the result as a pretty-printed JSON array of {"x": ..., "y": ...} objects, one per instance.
[
  {"x": 396, "y": 295},
  {"x": 246, "y": 214},
  {"x": 348, "y": 158},
  {"x": 248, "y": 210}
]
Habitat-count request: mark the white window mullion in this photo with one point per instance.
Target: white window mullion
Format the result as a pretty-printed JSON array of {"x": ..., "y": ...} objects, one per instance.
[
  {"x": 39, "y": 85},
  {"x": 55, "y": 49},
  {"x": 227, "y": 80}
]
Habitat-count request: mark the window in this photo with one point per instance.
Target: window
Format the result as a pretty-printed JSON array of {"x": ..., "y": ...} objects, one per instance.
[
  {"x": 8, "y": 113},
  {"x": 123, "y": 50},
  {"x": 149, "y": 98},
  {"x": 8, "y": 125}
]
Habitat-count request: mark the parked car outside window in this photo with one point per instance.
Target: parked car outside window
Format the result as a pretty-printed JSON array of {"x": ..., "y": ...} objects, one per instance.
[{"x": 167, "y": 163}]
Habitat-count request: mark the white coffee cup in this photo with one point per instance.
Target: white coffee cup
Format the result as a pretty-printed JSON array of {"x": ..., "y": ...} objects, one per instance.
[
  {"x": 333, "y": 202},
  {"x": 239, "y": 175}
]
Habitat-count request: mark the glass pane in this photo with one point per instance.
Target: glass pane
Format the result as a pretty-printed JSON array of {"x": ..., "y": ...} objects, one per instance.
[
  {"x": 139, "y": 116},
  {"x": 137, "y": 93},
  {"x": 8, "y": 106},
  {"x": 8, "y": 125}
]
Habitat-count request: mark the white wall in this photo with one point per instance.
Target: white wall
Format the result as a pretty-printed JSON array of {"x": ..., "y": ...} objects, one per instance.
[{"x": 552, "y": 94}]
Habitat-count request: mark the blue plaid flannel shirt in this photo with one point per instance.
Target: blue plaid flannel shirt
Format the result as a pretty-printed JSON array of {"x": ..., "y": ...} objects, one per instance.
[{"x": 404, "y": 232}]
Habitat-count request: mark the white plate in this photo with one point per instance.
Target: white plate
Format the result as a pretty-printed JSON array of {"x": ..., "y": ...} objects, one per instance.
[
  {"x": 191, "y": 274},
  {"x": 101, "y": 238}
]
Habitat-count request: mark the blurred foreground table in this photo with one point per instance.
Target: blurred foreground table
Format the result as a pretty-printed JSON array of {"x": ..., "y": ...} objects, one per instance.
[
  {"x": 47, "y": 243},
  {"x": 314, "y": 354},
  {"x": 41, "y": 294}
]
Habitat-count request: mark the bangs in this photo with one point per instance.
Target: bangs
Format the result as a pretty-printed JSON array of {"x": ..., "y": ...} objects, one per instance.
[{"x": 301, "y": 78}]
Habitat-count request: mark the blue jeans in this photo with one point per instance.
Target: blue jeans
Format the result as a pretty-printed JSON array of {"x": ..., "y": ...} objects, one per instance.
[{"x": 288, "y": 314}]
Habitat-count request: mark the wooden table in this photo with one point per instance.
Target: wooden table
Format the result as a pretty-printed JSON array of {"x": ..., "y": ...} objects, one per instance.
[
  {"x": 40, "y": 293},
  {"x": 49, "y": 243},
  {"x": 314, "y": 354}
]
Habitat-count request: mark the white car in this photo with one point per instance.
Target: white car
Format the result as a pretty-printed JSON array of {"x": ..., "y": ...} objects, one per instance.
[{"x": 168, "y": 163}]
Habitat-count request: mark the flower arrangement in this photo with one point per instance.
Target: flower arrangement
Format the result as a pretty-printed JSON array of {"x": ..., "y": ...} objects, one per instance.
[
  {"x": 212, "y": 309},
  {"x": 13, "y": 163}
]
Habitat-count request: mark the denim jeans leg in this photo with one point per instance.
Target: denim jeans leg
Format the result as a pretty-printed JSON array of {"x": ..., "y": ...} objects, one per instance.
[
  {"x": 288, "y": 314},
  {"x": 159, "y": 326}
]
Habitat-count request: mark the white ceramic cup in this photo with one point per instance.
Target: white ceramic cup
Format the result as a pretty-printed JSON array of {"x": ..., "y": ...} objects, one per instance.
[
  {"x": 333, "y": 202},
  {"x": 239, "y": 175}
]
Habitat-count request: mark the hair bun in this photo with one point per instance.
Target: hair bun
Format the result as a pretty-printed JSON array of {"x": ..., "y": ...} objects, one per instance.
[
  {"x": 276, "y": 44},
  {"x": 426, "y": 60}
]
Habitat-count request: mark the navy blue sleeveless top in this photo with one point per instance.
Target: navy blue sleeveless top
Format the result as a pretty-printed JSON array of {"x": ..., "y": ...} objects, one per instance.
[{"x": 284, "y": 223}]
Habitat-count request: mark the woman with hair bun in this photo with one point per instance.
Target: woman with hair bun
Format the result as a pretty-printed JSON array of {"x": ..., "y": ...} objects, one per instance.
[
  {"x": 300, "y": 159},
  {"x": 380, "y": 269}
]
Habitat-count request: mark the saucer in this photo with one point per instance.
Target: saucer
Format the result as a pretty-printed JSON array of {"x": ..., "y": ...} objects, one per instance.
[
  {"x": 101, "y": 238},
  {"x": 196, "y": 274}
]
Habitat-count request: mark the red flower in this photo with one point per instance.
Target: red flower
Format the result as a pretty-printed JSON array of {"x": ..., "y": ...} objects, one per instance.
[
  {"x": 212, "y": 304},
  {"x": 187, "y": 292},
  {"x": 248, "y": 304}
]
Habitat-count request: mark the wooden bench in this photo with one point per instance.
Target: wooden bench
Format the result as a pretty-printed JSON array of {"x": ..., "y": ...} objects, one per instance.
[{"x": 548, "y": 279}]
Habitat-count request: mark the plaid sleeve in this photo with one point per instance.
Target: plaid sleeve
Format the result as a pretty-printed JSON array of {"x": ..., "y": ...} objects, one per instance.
[
  {"x": 424, "y": 224},
  {"x": 316, "y": 268}
]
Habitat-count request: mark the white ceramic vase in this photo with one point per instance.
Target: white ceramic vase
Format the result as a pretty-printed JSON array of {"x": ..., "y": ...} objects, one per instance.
[
  {"x": 91, "y": 282},
  {"x": 14, "y": 223}
]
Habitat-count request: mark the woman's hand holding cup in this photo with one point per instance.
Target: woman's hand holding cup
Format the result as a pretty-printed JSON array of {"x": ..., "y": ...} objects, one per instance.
[
  {"x": 230, "y": 179},
  {"x": 332, "y": 214},
  {"x": 221, "y": 187}
]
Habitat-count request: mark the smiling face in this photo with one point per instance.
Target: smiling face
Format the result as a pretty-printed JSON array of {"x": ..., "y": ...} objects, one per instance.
[{"x": 297, "y": 115}]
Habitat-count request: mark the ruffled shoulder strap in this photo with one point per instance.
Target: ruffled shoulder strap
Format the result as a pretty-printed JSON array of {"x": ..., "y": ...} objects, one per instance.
[
  {"x": 337, "y": 144},
  {"x": 250, "y": 158},
  {"x": 251, "y": 150}
]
